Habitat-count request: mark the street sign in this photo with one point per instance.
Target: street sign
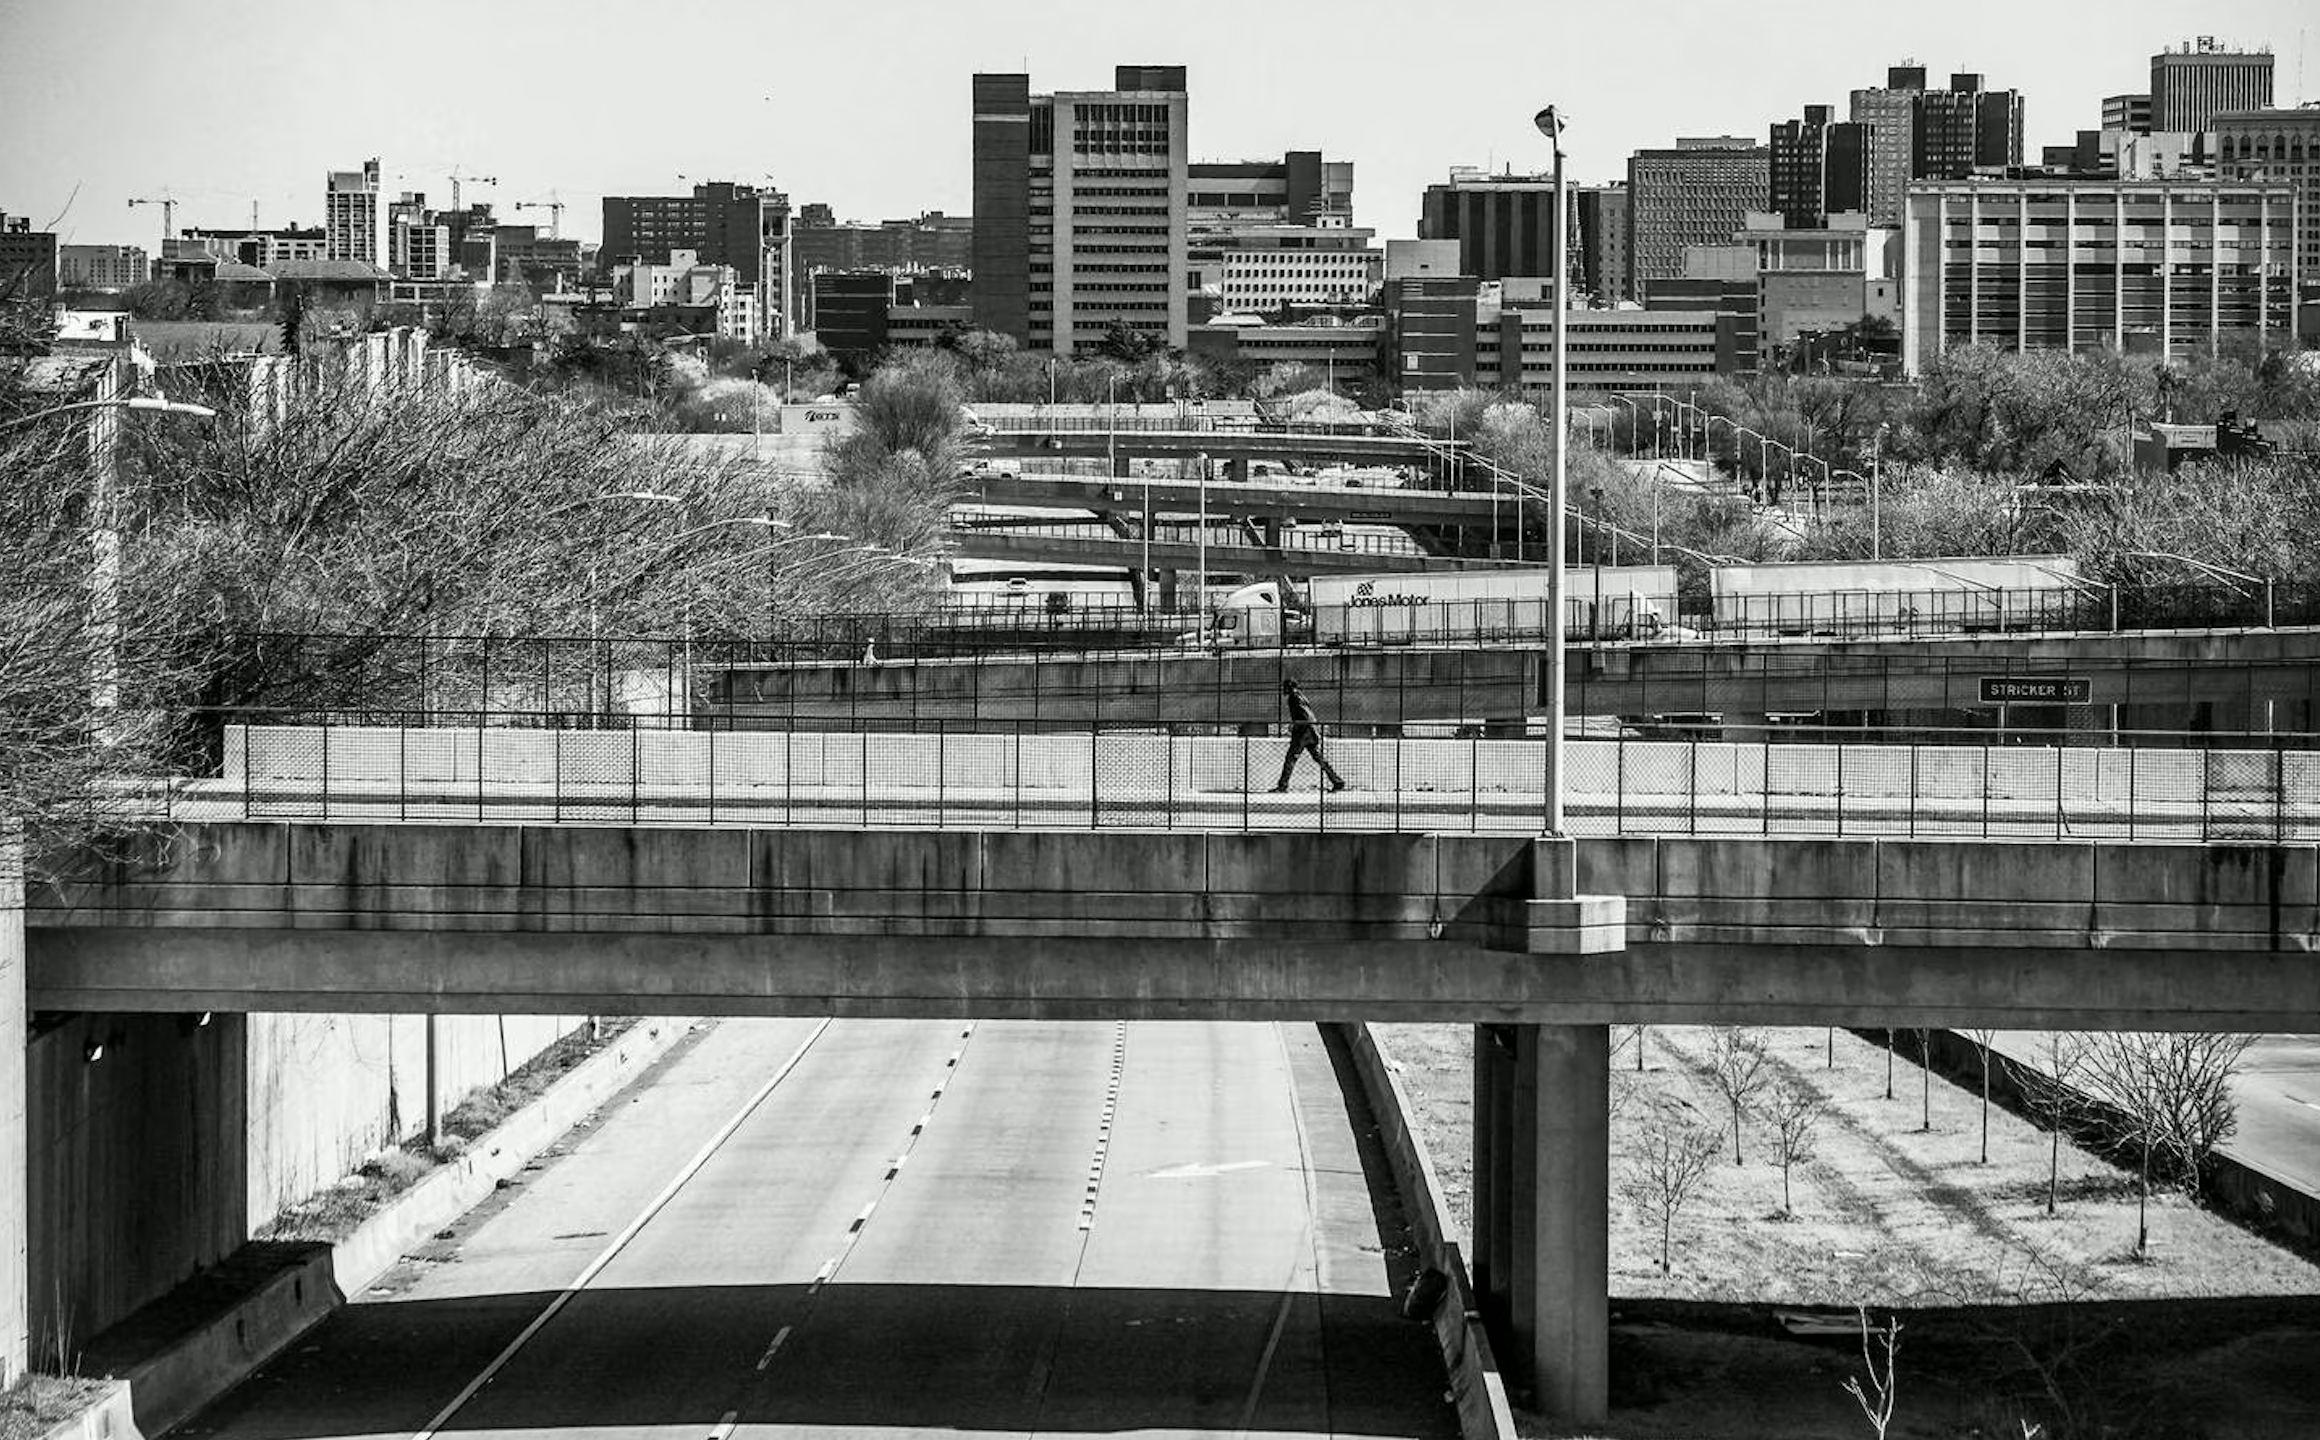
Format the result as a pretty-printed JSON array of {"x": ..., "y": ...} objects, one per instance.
[{"x": 2036, "y": 690}]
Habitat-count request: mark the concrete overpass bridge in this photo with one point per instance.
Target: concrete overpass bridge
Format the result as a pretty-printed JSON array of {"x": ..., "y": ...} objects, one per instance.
[
  {"x": 2255, "y": 680},
  {"x": 1235, "y": 547},
  {"x": 1224, "y": 444},
  {"x": 1543, "y": 944}
]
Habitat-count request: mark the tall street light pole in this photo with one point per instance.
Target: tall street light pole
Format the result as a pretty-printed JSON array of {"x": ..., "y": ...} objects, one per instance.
[{"x": 1550, "y": 123}]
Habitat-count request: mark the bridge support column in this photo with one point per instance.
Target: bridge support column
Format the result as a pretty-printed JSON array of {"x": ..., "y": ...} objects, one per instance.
[
  {"x": 1560, "y": 1266},
  {"x": 1491, "y": 1248},
  {"x": 15, "y": 1135}
]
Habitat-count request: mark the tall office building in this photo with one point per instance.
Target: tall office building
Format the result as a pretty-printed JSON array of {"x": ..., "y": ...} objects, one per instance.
[
  {"x": 2094, "y": 265},
  {"x": 354, "y": 224},
  {"x": 1504, "y": 224},
  {"x": 100, "y": 267},
  {"x": 1819, "y": 167},
  {"x": 1698, "y": 193},
  {"x": 2193, "y": 83},
  {"x": 1599, "y": 264},
  {"x": 1081, "y": 209},
  {"x": 722, "y": 223},
  {"x": 1964, "y": 127},
  {"x": 1888, "y": 113}
]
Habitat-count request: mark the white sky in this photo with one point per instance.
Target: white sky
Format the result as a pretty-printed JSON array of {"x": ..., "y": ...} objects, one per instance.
[{"x": 865, "y": 105}]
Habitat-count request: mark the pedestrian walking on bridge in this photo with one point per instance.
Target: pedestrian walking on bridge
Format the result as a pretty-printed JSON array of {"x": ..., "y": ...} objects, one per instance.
[{"x": 1304, "y": 737}]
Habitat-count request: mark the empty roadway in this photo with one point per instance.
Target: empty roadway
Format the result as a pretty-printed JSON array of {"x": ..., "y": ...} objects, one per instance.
[{"x": 924, "y": 1227}]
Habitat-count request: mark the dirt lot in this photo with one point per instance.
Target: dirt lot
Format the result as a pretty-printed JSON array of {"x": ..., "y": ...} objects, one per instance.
[{"x": 2211, "y": 1335}]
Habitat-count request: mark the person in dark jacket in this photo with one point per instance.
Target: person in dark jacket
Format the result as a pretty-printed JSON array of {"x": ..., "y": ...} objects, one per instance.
[{"x": 1304, "y": 737}]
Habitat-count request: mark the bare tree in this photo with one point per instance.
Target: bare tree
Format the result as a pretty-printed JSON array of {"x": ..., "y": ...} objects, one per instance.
[
  {"x": 1663, "y": 1172},
  {"x": 2169, "y": 1097},
  {"x": 2048, "y": 1081},
  {"x": 1738, "y": 1066},
  {"x": 1793, "y": 1111},
  {"x": 1982, "y": 1041},
  {"x": 1880, "y": 1388}
]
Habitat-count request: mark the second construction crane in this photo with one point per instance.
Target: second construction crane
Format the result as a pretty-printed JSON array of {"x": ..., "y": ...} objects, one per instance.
[{"x": 555, "y": 209}]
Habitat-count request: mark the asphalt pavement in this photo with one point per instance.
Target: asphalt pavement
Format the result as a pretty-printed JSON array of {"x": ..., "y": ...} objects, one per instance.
[{"x": 907, "y": 1228}]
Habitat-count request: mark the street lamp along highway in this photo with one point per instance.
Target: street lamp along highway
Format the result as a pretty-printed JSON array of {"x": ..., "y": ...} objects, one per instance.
[{"x": 1550, "y": 123}]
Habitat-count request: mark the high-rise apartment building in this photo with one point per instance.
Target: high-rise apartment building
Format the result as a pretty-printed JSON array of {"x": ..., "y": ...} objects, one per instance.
[
  {"x": 722, "y": 223},
  {"x": 354, "y": 225},
  {"x": 1888, "y": 114},
  {"x": 1964, "y": 127},
  {"x": 1081, "y": 202},
  {"x": 2168, "y": 268},
  {"x": 2281, "y": 147},
  {"x": 1599, "y": 263},
  {"x": 1695, "y": 194},
  {"x": 1504, "y": 224},
  {"x": 2193, "y": 83},
  {"x": 1819, "y": 167}
]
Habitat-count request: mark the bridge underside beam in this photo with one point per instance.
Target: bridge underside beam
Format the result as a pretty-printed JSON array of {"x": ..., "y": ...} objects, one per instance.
[{"x": 1098, "y": 976}]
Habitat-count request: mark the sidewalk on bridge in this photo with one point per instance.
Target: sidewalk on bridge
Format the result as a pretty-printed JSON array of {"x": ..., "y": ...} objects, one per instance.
[{"x": 202, "y": 1339}]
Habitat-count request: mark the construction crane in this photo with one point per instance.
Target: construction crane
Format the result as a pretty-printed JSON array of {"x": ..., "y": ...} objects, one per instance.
[
  {"x": 168, "y": 204},
  {"x": 555, "y": 209},
  {"x": 456, "y": 177}
]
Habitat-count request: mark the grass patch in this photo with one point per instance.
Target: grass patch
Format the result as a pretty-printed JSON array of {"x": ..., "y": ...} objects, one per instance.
[
  {"x": 37, "y": 1404},
  {"x": 337, "y": 1211}
]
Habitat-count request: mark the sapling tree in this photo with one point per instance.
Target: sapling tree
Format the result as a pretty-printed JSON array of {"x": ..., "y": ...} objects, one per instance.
[
  {"x": 1739, "y": 1065},
  {"x": 1663, "y": 1172},
  {"x": 1792, "y": 1111}
]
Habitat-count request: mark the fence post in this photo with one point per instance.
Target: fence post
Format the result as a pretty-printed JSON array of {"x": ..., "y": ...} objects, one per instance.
[
  {"x": 2058, "y": 798},
  {"x": 326, "y": 768},
  {"x": 635, "y": 773},
  {"x": 941, "y": 765},
  {"x": 555, "y": 774},
  {"x": 711, "y": 739},
  {"x": 1840, "y": 787},
  {"x": 1985, "y": 791},
  {"x": 2131, "y": 757},
  {"x": 1910, "y": 809},
  {"x": 2279, "y": 793}
]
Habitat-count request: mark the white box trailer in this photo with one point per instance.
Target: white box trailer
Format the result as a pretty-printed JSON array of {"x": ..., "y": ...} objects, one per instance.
[
  {"x": 1965, "y": 593},
  {"x": 1622, "y": 601}
]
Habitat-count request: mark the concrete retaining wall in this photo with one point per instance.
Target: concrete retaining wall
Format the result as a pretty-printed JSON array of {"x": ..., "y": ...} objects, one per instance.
[
  {"x": 327, "y": 1091},
  {"x": 1476, "y": 1387}
]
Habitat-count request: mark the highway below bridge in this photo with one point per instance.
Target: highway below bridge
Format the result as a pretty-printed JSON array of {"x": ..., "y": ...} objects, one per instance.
[{"x": 899, "y": 1227}]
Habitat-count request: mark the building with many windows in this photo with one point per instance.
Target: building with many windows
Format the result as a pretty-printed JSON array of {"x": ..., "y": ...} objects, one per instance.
[
  {"x": 722, "y": 223},
  {"x": 2127, "y": 112},
  {"x": 1269, "y": 268},
  {"x": 2168, "y": 268},
  {"x": 1608, "y": 349},
  {"x": 2281, "y": 147},
  {"x": 101, "y": 267},
  {"x": 2193, "y": 83},
  {"x": 1887, "y": 114},
  {"x": 1964, "y": 128},
  {"x": 1695, "y": 194},
  {"x": 1081, "y": 209},
  {"x": 260, "y": 248},
  {"x": 353, "y": 222},
  {"x": 1819, "y": 166},
  {"x": 1341, "y": 354}
]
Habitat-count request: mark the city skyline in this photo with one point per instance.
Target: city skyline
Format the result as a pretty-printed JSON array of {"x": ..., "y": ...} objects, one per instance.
[{"x": 554, "y": 110}]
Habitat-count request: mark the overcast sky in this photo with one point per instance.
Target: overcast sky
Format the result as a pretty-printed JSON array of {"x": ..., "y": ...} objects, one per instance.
[{"x": 865, "y": 105}]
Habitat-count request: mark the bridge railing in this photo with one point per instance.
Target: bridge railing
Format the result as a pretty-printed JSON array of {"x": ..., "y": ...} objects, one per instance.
[{"x": 1176, "y": 778}]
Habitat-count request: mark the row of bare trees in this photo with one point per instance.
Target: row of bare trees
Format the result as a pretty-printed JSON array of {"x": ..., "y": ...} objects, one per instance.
[
  {"x": 2163, "y": 1100},
  {"x": 163, "y": 576}
]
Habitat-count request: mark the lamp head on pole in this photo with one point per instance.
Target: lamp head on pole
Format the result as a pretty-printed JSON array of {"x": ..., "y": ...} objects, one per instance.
[{"x": 1550, "y": 123}]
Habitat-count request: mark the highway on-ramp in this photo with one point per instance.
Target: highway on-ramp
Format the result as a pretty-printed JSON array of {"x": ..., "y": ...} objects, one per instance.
[{"x": 907, "y": 1228}]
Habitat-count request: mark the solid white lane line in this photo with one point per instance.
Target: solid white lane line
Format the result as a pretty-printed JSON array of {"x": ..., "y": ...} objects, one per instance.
[{"x": 619, "y": 1242}]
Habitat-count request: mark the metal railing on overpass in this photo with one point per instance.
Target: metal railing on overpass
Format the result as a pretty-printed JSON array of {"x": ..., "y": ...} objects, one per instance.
[{"x": 1182, "y": 778}]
